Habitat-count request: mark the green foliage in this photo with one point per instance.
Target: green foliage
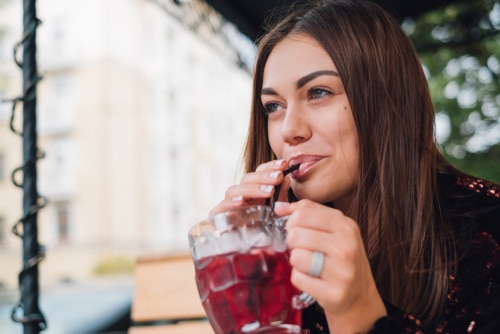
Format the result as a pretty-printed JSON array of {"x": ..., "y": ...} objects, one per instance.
[{"x": 459, "y": 46}]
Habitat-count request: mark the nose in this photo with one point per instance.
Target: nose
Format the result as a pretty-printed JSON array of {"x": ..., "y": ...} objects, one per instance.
[{"x": 295, "y": 128}]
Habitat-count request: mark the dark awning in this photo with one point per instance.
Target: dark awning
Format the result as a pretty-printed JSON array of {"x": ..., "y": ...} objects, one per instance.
[{"x": 248, "y": 15}]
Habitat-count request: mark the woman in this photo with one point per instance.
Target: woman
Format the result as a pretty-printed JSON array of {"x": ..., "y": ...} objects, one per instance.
[{"x": 385, "y": 234}]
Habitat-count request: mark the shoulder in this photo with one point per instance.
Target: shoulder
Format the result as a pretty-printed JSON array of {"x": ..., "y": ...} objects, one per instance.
[
  {"x": 473, "y": 204},
  {"x": 482, "y": 188}
]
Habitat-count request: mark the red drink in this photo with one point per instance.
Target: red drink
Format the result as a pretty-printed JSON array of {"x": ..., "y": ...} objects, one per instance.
[{"x": 246, "y": 292}]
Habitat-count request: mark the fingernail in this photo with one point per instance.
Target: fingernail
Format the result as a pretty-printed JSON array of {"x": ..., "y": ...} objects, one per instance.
[
  {"x": 281, "y": 204},
  {"x": 237, "y": 199},
  {"x": 266, "y": 189},
  {"x": 279, "y": 162},
  {"x": 275, "y": 174}
]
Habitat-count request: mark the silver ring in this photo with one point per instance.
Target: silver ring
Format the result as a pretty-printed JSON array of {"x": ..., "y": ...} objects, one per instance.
[{"x": 317, "y": 262}]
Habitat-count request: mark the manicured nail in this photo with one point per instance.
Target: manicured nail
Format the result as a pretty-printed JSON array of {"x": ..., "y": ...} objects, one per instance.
[
  {"x": 275, "y": 174},
  {"x": 237, "y": 199},
  {"x": 282, "y": 204},
  {"x": 266, "y": 189},
  {"x": 279, "y": 162}
]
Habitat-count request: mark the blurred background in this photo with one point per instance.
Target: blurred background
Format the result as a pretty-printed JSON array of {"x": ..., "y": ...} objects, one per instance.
[{"x": 142, "y": 113}]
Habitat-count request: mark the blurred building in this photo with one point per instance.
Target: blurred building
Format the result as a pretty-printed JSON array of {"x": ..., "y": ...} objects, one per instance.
[{"x": 142, "y": 118}]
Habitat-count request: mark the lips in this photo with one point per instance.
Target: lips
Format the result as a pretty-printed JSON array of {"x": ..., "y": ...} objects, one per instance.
[{"x": 306, "y": 163}]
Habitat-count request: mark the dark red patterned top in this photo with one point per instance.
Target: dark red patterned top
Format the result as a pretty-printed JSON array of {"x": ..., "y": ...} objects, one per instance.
[{"x": 473, "y": 300}]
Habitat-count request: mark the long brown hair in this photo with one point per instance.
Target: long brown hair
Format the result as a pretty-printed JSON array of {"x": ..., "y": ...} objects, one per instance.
[{"x": 397, "y": 207}]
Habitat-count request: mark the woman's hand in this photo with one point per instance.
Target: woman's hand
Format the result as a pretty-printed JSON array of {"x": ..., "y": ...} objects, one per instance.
[
  {"x": 345, "y": 287},
  {"x": 255, "y": 187}
]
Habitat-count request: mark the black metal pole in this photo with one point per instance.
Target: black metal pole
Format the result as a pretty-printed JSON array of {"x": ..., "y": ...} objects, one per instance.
[{"x": 29, "y": 277}]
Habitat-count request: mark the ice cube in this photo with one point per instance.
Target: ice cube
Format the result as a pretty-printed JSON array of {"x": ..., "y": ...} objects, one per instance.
[
  {"x": 229, "y": 241},
  {"x": 218, "y": 313},
  {"x": 220, "y": 272},
  {"x": 202, "y": 282},
  {"x": 204, "y": 246},
  {"x": 244, "y": 303},
  {"x": 254, "y": 237},
  {"x": 272, "y": 295},
  {"x": 248, "y": 266}
]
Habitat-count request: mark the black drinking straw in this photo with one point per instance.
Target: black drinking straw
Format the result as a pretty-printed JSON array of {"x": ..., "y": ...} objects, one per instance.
[{"x": 278, "y": 187}]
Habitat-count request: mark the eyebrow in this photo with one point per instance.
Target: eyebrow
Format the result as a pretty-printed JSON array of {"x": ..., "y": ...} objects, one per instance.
[
  {"x": 302, "y": 81},
  {"x": 306, "y": 78}
]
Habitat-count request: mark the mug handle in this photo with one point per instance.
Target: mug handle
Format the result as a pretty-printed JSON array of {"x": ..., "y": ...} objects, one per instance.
[{"x": 302, "y": 301}]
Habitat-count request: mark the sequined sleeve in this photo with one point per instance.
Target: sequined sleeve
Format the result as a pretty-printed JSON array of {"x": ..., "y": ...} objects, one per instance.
[{"x": 397, "y": 322}]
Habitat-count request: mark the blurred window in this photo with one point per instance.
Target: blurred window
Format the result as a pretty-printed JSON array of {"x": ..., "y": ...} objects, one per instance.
[
  {"x": 3, "y": 44},
  {"x": 3, "y": 168},
  {"x": 57, "y": 106},
  {"x": 5, "y": 107},
  {"x": 61, "y": 36},
  {"x": 3, "y": 228},
  {"x": 62, "y": 216}
]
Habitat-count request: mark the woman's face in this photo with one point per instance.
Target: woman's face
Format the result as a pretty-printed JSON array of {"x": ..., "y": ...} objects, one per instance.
[{"x": 310, "y": 120}]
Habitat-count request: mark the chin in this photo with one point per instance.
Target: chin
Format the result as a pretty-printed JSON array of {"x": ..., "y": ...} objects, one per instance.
[{"x": 311, "y": 195}]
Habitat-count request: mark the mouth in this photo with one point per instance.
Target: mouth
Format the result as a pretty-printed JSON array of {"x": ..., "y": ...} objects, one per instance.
[
  {"x": 304, "y": 163},
  {"x": 291, "y": 169}
]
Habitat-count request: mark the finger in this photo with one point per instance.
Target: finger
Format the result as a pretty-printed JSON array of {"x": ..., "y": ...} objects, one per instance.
[
  {"x": 306, "y": 238},
  {"x": 245, "y": 192},
  {"x": 314, "y": 286},
  {"x": 254, "y": 188},
  {"x": 285, "y": 186},
  {"x": 280, "y": 164},
  {"x": 270, "y": 177},
  {"x": 301, "y": 259},
  {"x": 308, "y": 214},
  {"x": 222, "y": 206},
  {"x": 259, "y": 184},
  {"x": 332, "y": 275},
  {"x": 242, "y": 195},
  {"x": 282, "y": 208}
]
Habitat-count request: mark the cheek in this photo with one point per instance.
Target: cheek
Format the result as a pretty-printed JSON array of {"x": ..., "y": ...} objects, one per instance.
[
  {"x": 350, "y": 145},
  {"x": 347, "y": 138},
  {"x": 275, "y": 140}
]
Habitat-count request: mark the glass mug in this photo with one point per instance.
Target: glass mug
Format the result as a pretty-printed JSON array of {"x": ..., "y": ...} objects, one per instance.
[{"x": 243, "y": 272}]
